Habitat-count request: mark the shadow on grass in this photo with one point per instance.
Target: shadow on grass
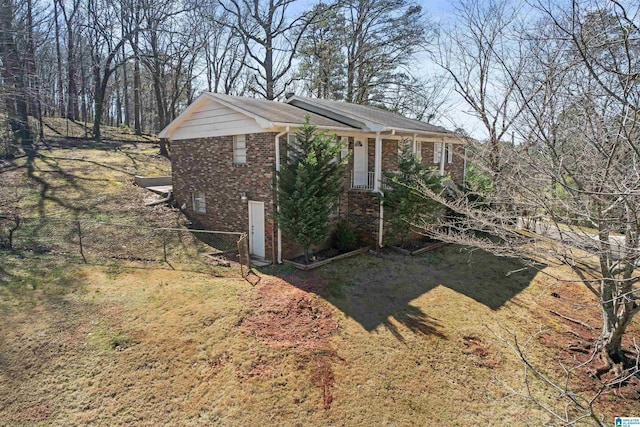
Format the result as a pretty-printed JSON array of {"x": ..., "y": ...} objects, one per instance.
[
  {"x": 49, "y": 177},
  {"x": 378, "y": 290},
  {"x": 39, "y": 287}
]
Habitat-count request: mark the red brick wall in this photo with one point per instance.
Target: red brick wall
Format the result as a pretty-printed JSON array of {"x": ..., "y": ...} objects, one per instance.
[
  {"x": 389, "y": 155},
  {"x": 363, "y": 213},
  {"x": 206, "y": 165},
  {"x": 455, "y": 168}
]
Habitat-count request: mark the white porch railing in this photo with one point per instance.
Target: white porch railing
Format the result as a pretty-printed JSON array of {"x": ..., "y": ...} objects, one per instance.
[
  {"x": 362, "y": 180},
  {"x": 366, "y": 181}
]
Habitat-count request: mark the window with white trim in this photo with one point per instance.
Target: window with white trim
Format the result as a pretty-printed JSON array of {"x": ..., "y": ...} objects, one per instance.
[
  {"x": 335, "y": 141},
  {"x": 199, "y": 202},
  {"x": 344, "y": 153},
  {"x": 292, "y": 146},
  {"x": 437, "y": 152},
  {"x": 240, "y": 149}
]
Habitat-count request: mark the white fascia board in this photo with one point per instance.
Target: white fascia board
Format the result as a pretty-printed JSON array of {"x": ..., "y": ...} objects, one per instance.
[
  {"x": 329, "y": 128},
  {"x": 453, "y": 138}
]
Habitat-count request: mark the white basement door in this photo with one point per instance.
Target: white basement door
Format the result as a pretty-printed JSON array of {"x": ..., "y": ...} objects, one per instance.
[{"x": 256, "y": 229}]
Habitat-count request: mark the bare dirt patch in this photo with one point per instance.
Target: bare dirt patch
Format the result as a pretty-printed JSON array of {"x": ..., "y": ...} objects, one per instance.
[
  {"x": 478, "y": 350},
  {"x": 289, "y": 317}
]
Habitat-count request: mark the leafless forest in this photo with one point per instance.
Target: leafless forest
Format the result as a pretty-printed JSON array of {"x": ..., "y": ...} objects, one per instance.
[{"x": 139, "y": 63}]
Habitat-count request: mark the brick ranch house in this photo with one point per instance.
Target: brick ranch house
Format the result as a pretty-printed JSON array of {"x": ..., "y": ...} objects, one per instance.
[{"x": 225, "y": 151}]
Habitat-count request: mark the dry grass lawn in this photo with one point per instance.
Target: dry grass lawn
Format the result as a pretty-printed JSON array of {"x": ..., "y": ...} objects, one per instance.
[
  {"x": 381, "y": 339},
  {"x": 404, "y": 341}
]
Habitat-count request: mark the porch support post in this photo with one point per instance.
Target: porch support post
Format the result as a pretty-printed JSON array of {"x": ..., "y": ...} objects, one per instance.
[
  {"x": 443, "y": 154},
  {"x": 464, "y": 168},
  {"x": 377, "y": 175},
  {"x": 377, "y": 184},
  {"x": 414, "y": 148}
]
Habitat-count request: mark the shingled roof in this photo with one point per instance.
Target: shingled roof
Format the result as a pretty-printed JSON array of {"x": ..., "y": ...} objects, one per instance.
[
  {"x": 348, "y": 112},
  {"x": 276, "y": 112},
  {"x": 200, "y": 119}
]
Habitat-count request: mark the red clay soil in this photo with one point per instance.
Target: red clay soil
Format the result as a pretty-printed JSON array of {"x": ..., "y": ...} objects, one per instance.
[
  {"x": 287, "y": 314},
  {"x": 572, "y": 310},
  {"x": 477, "y": 349}
]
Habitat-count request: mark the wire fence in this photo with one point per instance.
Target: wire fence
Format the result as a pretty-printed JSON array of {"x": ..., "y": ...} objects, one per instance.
[{"x": 94, "y": 242}]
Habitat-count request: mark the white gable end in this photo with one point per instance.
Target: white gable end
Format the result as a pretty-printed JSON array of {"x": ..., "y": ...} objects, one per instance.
[{"x": 210, "y": 119}]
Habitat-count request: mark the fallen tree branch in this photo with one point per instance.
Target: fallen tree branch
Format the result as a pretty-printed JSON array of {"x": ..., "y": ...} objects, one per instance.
[{"x": 577, "y": 322}]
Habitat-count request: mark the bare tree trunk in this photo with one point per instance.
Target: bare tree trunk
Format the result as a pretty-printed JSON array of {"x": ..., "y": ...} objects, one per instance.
[
  {"x": 72, "y": 91},
  {"x": 617, "y": 303},
  {"x": 350, "y": 82},
  {"x": 118, "y": 117},
  {"x": 59, "y": 60},
  {"x": 98, "y": 99},
  {"x": 157, "y": 76},
  {"x": 83, "y": 92},
  {"x": 125, "y": 87},
  {"x": 268, "y": 68},
  {"x": 13, "y": 77},
  {"x": 32, "y": 75},
  {"x": 163, "y": 148},
  {"x": 137, "y": 110}
]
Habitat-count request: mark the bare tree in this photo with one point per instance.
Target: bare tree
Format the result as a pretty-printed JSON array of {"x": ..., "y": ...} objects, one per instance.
[
  {"x": 420, "y": 98},
  {"x": 480, "y": 54},
  {"x": 70, "y": 13},
  {"x": 574, "y": 168},
  {"x": 106, "y": 45},
  {"x": 271, "y": 40},
  {"x": 224, "y": 52},
  {"x": 60, "y": 91},
  {"x": 168, "y": 50},
  {"x": 381, "y": 37},
  {"x": 13, "y": 77}
]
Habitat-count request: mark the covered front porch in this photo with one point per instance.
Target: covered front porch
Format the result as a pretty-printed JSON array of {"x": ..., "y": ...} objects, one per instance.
[{"x": 372, "y": 155}]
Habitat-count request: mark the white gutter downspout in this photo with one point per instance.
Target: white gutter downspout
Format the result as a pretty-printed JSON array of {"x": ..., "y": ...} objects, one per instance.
[
  {"x": 279, "y": 259},
  {"x": 376, "y": 184}
]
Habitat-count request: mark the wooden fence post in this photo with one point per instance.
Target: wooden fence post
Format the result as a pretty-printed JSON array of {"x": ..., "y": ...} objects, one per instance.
[
  {"x": 80, "y": 240},
  {"x": 164, "y": 245}
]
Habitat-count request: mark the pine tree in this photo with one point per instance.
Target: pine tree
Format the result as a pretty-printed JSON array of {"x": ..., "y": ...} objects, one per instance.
[
  {"x": 407, "y": 207},
  {"x": 309, "y": 184}
]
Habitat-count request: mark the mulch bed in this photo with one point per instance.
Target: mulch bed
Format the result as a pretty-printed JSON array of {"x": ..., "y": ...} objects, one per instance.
[
  {"x": 323, "y": 257},
  {"x": 418, "y": 246}
]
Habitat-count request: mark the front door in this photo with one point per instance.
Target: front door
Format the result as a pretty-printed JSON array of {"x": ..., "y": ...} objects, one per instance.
[
  {"x": 360, "y": 160},
  {"x": 256, "y": 228}
]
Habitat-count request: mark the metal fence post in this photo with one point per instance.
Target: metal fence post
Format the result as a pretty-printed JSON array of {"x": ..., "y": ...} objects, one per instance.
[{"x": 80, "y": 241}]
